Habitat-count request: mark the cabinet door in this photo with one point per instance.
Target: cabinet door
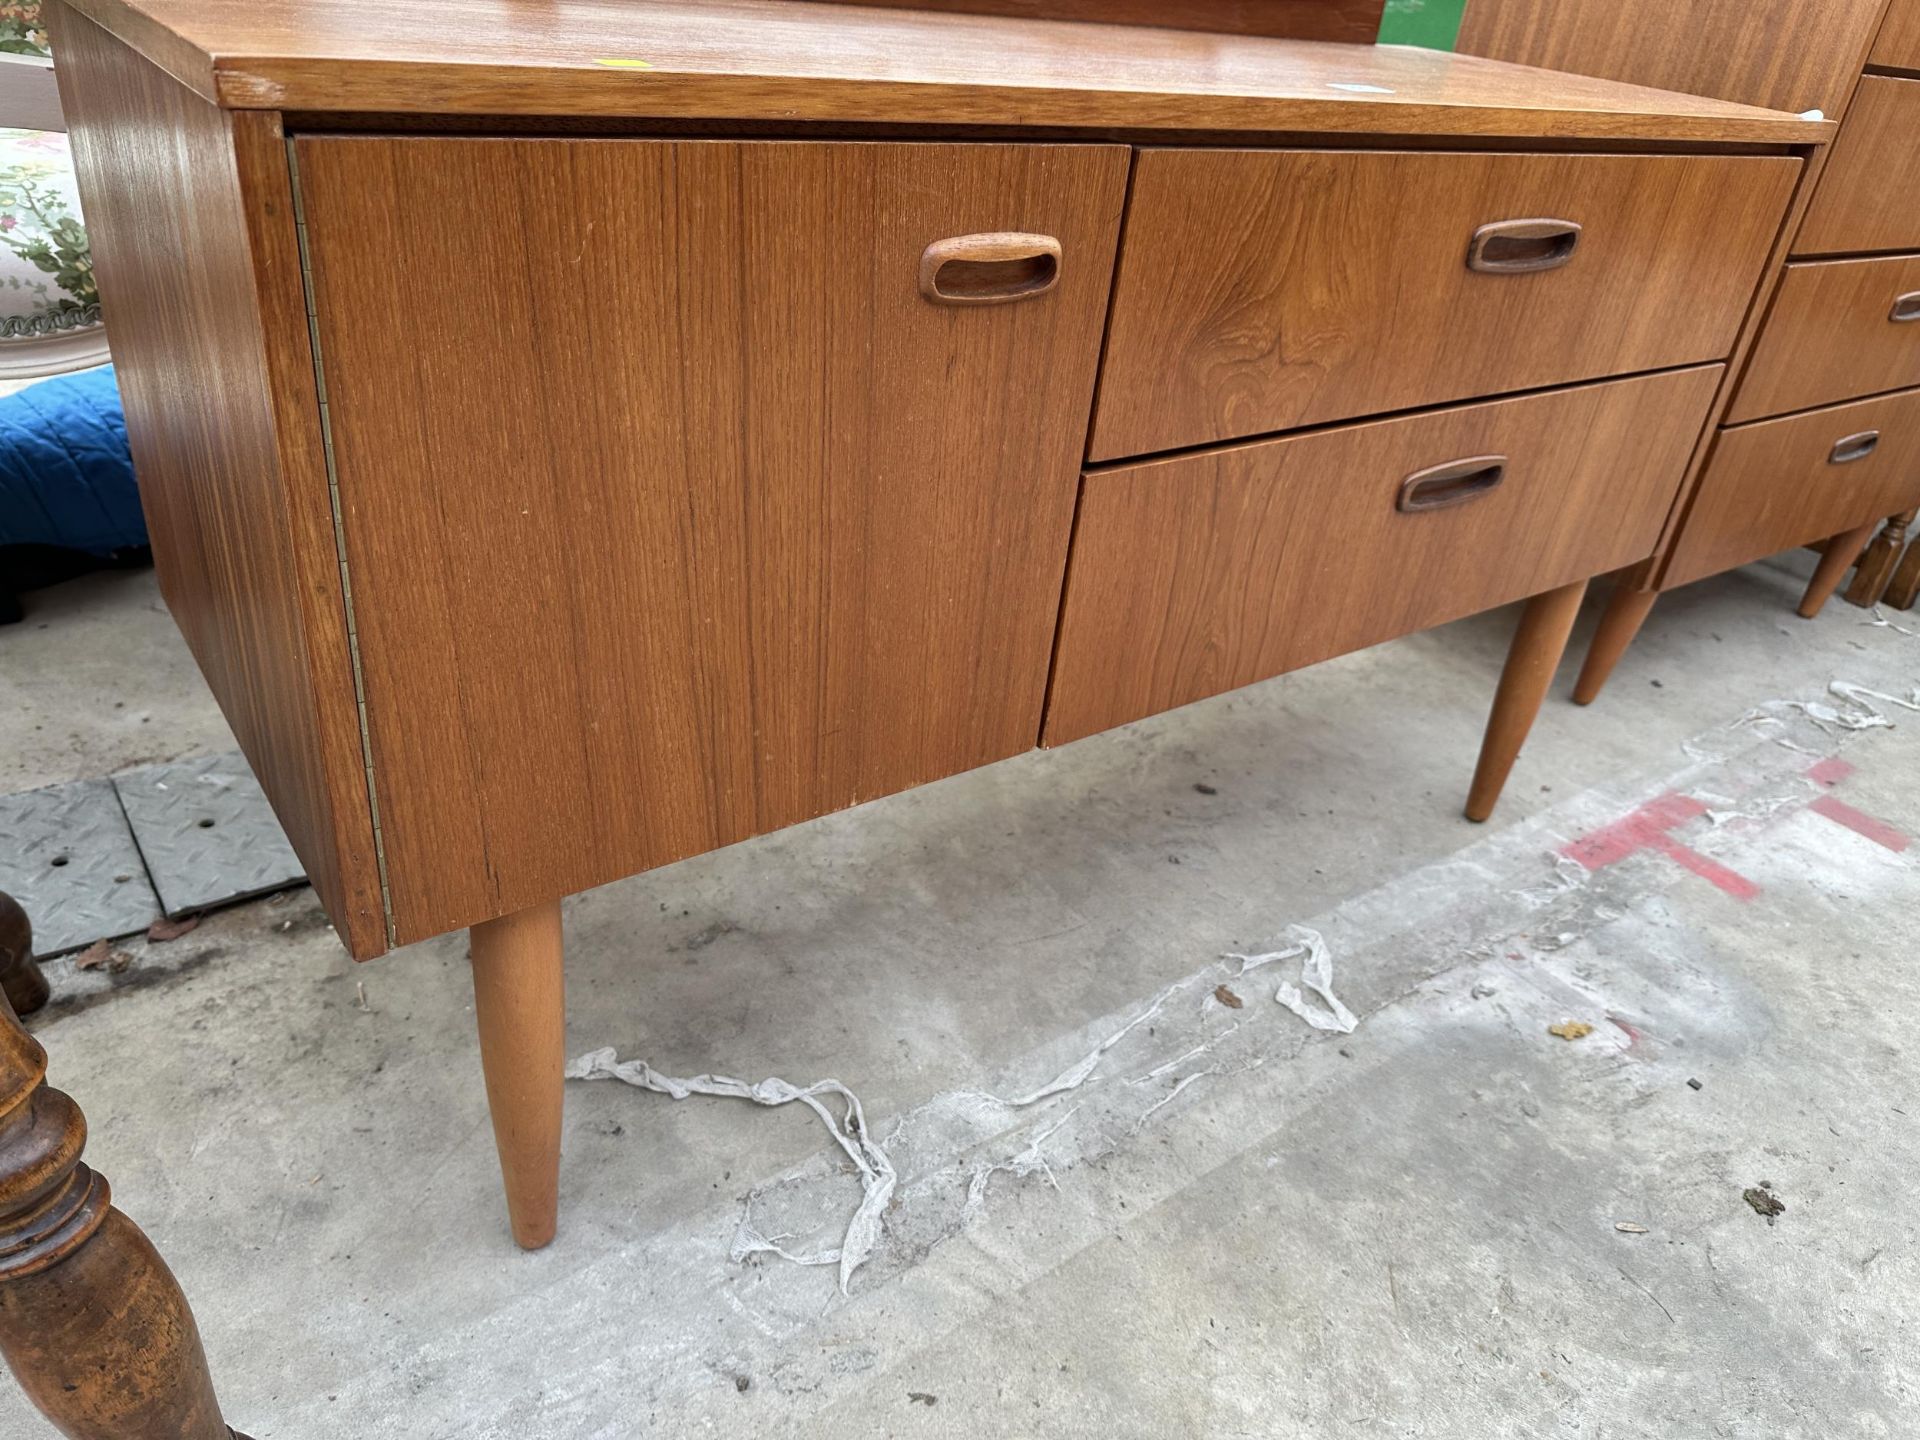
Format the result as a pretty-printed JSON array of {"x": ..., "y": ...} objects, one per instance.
[{"x": 674, "y": 510}]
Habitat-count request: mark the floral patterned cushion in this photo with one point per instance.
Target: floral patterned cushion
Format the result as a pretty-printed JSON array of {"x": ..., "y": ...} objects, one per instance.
[
  {"x": 48, "y": 304},
  {"x": 46, "y": 270},
  {"x": 21, "y": 32}
]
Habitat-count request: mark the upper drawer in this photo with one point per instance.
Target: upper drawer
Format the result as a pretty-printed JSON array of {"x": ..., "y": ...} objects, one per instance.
[
  {"x": 1899, "y": 42},
  {"x": 1869, "y": 197},
  {"x": 1781, "y": 483},
  {"x": 1198, "y": 573},
  {"x": 1265, "y": 289},
  {"x": 1838, "y": 329}
]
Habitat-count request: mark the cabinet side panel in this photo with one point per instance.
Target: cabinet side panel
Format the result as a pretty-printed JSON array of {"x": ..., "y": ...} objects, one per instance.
[
  {"x": 1899, "y": 43},
  {"x": 190, "y": 216}
]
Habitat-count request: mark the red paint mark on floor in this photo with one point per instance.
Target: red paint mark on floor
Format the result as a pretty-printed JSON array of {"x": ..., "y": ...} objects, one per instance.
[
  {"x": 1712, "y": 871},
  {"x": 1633, "y": 1035},
  {"x": 1831, "y": 772},
  {"x": 1650, "y": 828},
  {"x": 1858, "y": 821},
  {"x": 1641, "y": 830}
]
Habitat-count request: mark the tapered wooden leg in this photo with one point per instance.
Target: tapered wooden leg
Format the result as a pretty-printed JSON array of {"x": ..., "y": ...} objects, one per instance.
[
  {"x": 1537, "y": 647},
  {"x": 1835, "y": 561},
  {"x": 519, "y": 998},
  {"x": 1875, "y": 570},
  {"x": 1626, "y": 612},
  {"x": 20, "y": 978},
  {"x": 1904, "y": 588},
  {"x": 92, "y": 1323}
]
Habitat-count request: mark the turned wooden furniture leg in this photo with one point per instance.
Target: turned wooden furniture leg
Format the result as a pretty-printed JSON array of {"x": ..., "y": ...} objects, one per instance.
[
  {"x": 1537, "y": 647},
  {"x": 20, "y": 978},
  {"x": 1841, "y": 552},
  {"x": 519, "y": 998},
  {"x": 1625, "y": 613},
  {"x": 1874, "y": 573},
  {"x": 92, "y": 1323},
  {"x": 1904, "y": 588}
]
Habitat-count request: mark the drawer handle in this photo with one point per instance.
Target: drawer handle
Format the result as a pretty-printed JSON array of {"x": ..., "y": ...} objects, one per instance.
[
  {"x": 989, "y": 269},
  {"x": 1454, "y": 483},
  {"x": 1519, "y": 247},
  {"x": 1854, "y": 447},
  {"x": 1905, "y": 307}
]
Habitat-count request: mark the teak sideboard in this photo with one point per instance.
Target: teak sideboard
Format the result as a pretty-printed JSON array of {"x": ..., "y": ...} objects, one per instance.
[
  {"x": 1818, "y": 438},
  {"x": 579, "y": 435}
]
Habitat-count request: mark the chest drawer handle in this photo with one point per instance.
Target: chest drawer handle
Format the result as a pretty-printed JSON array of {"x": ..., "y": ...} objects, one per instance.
[
  {"x": 989, "y": 269},
  {"x": 1905, "y": 307},
  {"x": 1854, "y": 447},
  {"x": 1519, "y": 247},
  {"x": 1453, "y": 483}
]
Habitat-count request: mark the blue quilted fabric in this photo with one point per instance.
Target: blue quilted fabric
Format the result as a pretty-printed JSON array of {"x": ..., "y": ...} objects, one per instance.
[{"x": 66, "y": 476}]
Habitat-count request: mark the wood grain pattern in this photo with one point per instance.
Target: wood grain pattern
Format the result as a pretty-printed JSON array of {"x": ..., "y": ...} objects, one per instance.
[
  {"x": 193, "y": 238},
  {"x": 1352, "y": 22},
  {"x": 520, "y": 1006},
  {"x": 1869, "y": 198},
  {"x": 1770, "y": 485},
  {"x": 796, "y": 62},
  {"x": 1840, "y": 553},
  {"x": 1830, "y": 337},
  {"x": 22, "y": 984},
  {"x": 1324, "y": 285},
  {"x": 1874, "y": 574},
  {"x": 674, "y": 513},
  {"x": 1904, "y": 588},
  {"x": 1627, "y": 610},
  {"x": 1783, "y": 54},
  {"x": 1898, "y": 44},
  {"x": 1538, "y": 643},
  {"x": 1206, "y": 572},
  {"x": 92, "y": 1323},
  {"x": 1645, "y": 574}
]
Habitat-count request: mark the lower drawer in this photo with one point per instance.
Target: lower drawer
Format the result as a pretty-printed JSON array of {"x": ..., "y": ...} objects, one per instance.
[
  {"x": 1201, "y": 573},
  {"x": 1780, "y": 483},
  {"x": 1839, "y": 329}
]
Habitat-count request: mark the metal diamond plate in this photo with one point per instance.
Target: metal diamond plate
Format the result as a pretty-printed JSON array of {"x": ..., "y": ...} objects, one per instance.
[
  {"x": 206, "y": 832},
  {"x": 68, "y": 856}
]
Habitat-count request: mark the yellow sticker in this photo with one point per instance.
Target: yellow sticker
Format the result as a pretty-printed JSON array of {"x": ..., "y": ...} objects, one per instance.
[{"x": 621, "y": 62}]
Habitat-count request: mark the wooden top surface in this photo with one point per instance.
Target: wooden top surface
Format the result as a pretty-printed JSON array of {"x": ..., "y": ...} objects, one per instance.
[{"x": 785, "y": 60}]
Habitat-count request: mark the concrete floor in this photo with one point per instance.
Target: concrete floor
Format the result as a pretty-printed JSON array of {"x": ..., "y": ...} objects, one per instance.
[{"x": 1237, "y": 1225}]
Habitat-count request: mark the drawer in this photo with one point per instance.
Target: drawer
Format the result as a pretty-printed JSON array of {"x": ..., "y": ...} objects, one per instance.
[
  {"x": 1899, "y": 44},
  {"x": 1869, "y": 197},
  {"x": 1839, "y": 329},
  {"x": 1774, "y": 485},
  {"x": 1199, "y": 573},
  {"x": 1263, "y": 290}
]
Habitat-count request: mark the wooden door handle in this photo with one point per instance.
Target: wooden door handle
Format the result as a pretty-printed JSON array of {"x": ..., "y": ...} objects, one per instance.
[
  {"x": 1453, "y": 483},
  {"x": 1519, "y": 247},
  {"x": 1905, "y": 307},
  {"x": 1853, "y": 447},
  {"x": 989, "y": 269}
]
